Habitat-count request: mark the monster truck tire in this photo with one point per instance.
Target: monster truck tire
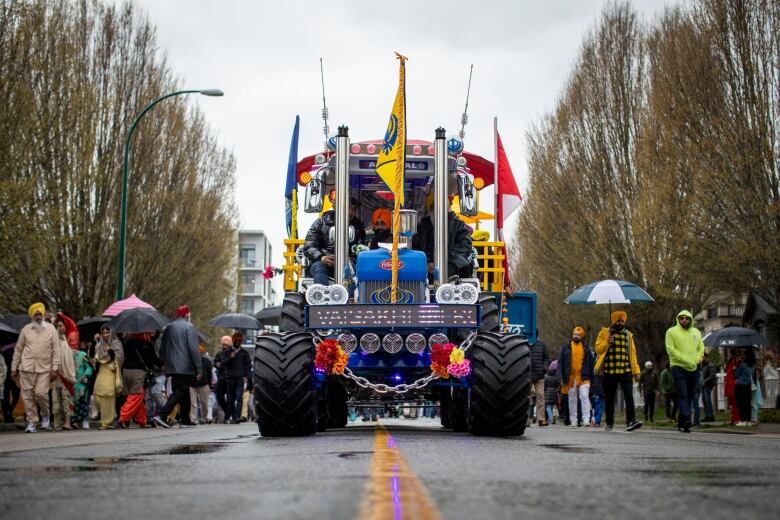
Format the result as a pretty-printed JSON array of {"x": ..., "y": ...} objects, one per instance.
[
  {"x": 491, "y": 315},
  {"x": 500, "y": 383},
  {"x": 285, "y": 395},
  {"x": 459, "y": 409},
  {"x": 337, "y": 403},
  {"x": 291, "y": 319}
]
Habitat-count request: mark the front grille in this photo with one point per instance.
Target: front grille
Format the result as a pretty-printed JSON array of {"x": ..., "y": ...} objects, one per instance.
[{"x": 378, "y": 292}]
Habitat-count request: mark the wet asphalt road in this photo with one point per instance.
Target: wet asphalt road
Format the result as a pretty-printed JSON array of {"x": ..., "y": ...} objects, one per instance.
[{"x": 228, "y": 471}]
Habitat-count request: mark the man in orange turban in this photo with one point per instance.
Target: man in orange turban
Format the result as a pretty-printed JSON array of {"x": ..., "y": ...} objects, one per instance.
[
  {"x": 617, "y": 360},
  {"x": 576, "y": 365}
]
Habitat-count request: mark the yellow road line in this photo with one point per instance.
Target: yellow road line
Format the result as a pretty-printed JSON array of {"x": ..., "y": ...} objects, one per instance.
[{"x": 394, "y": 491}]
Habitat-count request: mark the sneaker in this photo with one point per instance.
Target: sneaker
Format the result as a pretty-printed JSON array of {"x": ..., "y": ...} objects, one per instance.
[
  {"x": 45, "y": 424},
  {"x": 608, "y": 428},
  {"x": 741, "y": 424},
  {"x": 85, "y": 424},
  {"x": 30, "y": 428},
  {"x": 634, "y": 426},
  {"x": 159, "y": 421}
]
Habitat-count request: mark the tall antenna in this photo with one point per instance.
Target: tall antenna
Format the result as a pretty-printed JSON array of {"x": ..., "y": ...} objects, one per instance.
[
  {"x": 465, "y": 118},
  {"x": 325, "y": 129}
]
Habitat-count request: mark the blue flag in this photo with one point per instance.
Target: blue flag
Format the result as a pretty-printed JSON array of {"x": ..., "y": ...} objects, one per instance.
[{"x": 292, "y": 179}]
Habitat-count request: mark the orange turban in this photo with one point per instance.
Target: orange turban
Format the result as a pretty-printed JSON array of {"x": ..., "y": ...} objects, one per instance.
[
  {"x": 616, "y": 315},
  {"x": 382, "y": 214},
  {"x": 578, "y": 330}
]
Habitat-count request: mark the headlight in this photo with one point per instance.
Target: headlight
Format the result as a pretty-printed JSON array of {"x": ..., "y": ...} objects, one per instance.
[
  {"x": 462, "y": 293},
  {"x": 318, "y": 294},
  {"x": 438, "y": 338},
  {"x": 415, "y": 342},
  {"x": 369, "y": 343},
  {"x": 348, "y": 342},
  {"x": 392, "y": 343}
]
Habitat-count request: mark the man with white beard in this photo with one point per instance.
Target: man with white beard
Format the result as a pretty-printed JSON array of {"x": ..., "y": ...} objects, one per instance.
[{"x": 36, "y": 362}]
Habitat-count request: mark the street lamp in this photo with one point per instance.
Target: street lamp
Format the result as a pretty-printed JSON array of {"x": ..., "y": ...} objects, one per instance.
[{"x": 120, "y": 288}]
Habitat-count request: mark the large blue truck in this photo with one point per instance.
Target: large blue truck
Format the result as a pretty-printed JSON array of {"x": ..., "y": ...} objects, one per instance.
[{"x": 389, "y": 343}]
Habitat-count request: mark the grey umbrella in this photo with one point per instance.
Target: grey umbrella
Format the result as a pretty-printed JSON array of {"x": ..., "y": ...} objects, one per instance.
[
  {"x": 138, "y": 320},
  {"x": 15, "y": 321},
  {"x": 233, "y": 320},
  {"x": 8, "y": 334}
]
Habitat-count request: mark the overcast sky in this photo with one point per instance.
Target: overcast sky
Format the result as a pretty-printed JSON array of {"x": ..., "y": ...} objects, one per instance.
[{"x": 265, "y": 56}]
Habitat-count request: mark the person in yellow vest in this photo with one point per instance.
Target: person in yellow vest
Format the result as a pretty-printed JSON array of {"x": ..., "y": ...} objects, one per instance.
[
  {"x": 576, "y": 366},
  {"x": 617, "y": 360}
]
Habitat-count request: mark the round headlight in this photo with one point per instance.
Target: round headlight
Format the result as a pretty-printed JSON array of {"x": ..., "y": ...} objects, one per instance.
[
  {"x": 369, "y": 343},
  {"x": 315, "y": 294},
  {"x": 415, "y": 342},
  {"x": 438, "y": 338},
  {"x": 337, "y": 294},
  {"x": 392, "y": 342},
  {"x": 348, "y": 342}
]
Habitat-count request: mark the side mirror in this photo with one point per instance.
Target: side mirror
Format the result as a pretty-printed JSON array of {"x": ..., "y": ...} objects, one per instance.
[
  {"x": 467, "y": 195},
  {"x": 315, "y": 190}
]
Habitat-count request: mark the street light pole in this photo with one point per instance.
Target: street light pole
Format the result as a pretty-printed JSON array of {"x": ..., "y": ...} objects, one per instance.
[{"x": 120, "y": 288}]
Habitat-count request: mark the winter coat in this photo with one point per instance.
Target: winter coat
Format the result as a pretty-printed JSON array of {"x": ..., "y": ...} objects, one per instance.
[
  {"x": 648, "y": 381},
  {"x": 236, "y": 363},
  {"x": 459, "y": 248},
  {"x": 207, "y": 367},
  {"x": 564, "y": 363},
  {"x": 684, "y": 346},
  {"x": 318, "y": 243},
  {"x": 602, "y": 346},
  {"x": 37, "y": 349},
  {"x": 551, "y": 385},
  {"x": 709, "y": 375},
  {"x": 139, "y": 355},
  {"x": 742, "y": 374},
  {"x": 667, "y": 381},
  {"x": 540, "y": 361},
  {"x": 179, "y": 349}
]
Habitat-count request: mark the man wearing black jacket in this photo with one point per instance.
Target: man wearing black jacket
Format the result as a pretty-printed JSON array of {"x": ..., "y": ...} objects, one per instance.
[
  {"x": 459, "y": 249},
  {"x": 221, "y": 389},
  {"x": 181, "y": 357},
  {"x": 236, "y": 364}
]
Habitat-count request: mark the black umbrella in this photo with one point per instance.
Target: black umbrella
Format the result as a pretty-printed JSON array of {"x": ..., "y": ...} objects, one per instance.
[
  {"x": 270, "y": 315},
  {"x": 138, "y": 320},
  {"x": 234, "y": 320},
  {"x": 734, "y": 337},
  {"x": 88, "y": 327},
  {"x": 15, "y": 321},
  {"x": 8, "y": 334}
]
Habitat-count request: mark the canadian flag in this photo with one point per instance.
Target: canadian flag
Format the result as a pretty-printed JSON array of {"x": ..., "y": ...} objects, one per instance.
[{"x": 508, "y": 197}]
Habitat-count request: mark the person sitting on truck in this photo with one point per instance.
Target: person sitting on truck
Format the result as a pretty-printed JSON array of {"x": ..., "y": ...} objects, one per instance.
[
  {"x": 459, "y": 248},
  {"x": 380, "y": 223},
  {"x": 319, "y": 247}
]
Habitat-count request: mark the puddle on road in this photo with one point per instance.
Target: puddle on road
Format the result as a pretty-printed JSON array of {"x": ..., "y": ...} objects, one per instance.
[
  {"x": 54, "y": 470},
  {"x": 707, "y": 476},
  {"x": 194, "y": 449},
  {"x": 352, "y": 454},
  {"x": 568, "y": 448}
]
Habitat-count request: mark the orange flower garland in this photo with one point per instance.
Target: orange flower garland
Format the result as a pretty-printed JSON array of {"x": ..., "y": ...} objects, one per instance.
[{"x": 330, "y": 357}]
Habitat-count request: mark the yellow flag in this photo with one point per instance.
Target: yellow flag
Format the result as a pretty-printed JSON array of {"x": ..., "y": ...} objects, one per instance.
[{"x": 392, "y": 156}]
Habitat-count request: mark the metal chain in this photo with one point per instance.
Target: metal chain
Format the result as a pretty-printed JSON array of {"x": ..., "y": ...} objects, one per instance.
[{"x": 402, "y": 388}]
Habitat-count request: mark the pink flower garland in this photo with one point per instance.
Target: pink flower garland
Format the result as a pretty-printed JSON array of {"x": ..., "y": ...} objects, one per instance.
[{"x": 449, "y": 360}]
